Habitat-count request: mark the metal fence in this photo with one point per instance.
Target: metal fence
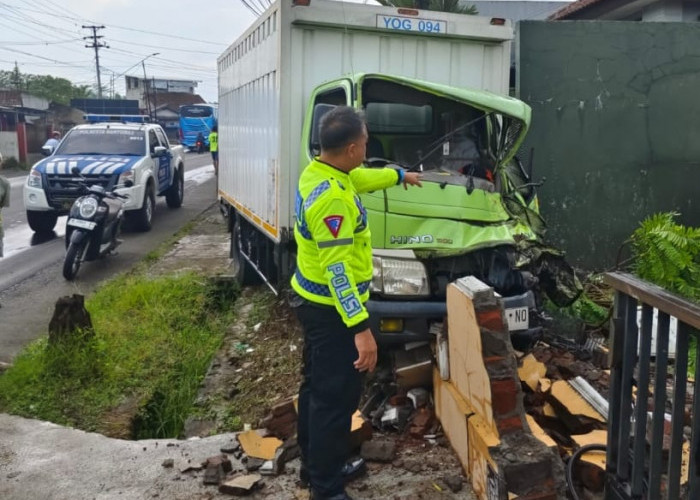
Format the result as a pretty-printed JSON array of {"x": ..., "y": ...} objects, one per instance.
[{"x": 644, "y": 396}]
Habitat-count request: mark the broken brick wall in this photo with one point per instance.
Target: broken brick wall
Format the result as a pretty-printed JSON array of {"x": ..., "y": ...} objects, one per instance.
[{"x": 481, "y": 406}]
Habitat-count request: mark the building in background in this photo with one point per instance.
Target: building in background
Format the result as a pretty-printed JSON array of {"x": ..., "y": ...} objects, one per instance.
[
  {"x": 141, "y": 89},
  {"x": 630, "y": 10}
]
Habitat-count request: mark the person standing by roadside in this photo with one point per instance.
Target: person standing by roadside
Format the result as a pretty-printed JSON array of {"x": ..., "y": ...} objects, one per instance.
[
  {"x": 214, "y": 148},
  {"x": 53, "y": 140},
  {"x": 330, "y": 287},
  {"x": 4, "y": 202}
]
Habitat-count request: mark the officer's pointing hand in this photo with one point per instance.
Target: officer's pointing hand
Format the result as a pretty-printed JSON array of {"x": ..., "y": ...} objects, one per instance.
[
  {"x": 412, "y": 178},
  {"x": 367, "y": 348}
]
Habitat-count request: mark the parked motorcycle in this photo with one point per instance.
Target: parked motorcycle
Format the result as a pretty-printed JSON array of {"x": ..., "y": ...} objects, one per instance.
[{"x": 93, "y": 226}]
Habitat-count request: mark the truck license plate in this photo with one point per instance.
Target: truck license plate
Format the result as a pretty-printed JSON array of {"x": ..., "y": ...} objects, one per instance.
[
  {"x": 518, "y": 318},
  {"x": 401, "y": 23},
  {"x": 84, "y": 224}
]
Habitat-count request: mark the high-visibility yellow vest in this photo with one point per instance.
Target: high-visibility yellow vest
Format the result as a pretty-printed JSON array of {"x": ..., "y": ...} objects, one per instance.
[
  {"x": 214, "y": 142},
  {"x": 334, "y": 251}
]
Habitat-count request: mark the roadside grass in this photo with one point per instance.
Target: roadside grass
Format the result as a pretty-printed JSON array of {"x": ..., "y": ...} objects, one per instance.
[{"x": 139, "y": 374}]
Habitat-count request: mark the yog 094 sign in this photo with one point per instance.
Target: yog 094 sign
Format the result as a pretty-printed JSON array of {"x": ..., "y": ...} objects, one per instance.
[{"x": 401, "y": 23}]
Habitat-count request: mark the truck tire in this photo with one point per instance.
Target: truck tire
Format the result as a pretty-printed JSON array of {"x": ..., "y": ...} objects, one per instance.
[
  {"x": 41, "y": 222},
  {"x": 143, "y": 217},
  {"x": 176, "y": 192},
  {"x": 74, "y": 257},
  {"x": 245, "y": 275}
]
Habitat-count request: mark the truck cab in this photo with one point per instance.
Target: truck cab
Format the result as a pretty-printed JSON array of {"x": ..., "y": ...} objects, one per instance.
[{"x": 476, "y": 207}]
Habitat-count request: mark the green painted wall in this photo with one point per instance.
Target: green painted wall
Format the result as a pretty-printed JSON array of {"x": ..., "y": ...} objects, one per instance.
[{"x": 616, "y": 128}]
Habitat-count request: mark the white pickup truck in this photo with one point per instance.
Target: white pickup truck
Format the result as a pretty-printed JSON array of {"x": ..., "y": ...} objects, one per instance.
[{"x": 106, "y": 154}]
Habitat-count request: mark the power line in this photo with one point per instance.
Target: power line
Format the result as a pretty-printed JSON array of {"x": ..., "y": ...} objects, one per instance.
[
  {"x": 97, "y": 46},
  {"x": 116, "y": 26}
]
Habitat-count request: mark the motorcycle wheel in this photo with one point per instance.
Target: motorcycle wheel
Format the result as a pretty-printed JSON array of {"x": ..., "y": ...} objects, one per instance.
[{"x": 74, "y": 257}]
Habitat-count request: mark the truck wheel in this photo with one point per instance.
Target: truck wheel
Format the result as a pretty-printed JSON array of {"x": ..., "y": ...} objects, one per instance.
[
  {"x": 143, "y": 217},
  {"x": 245, "y": 274},
  {"x": 41, "y": 222},
  {"x": 176, "y": 192},
  {"x": 74, "y": 256}
]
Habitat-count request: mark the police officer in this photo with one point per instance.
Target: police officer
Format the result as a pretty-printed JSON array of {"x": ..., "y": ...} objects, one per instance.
[{"x": 331, "y": 283}]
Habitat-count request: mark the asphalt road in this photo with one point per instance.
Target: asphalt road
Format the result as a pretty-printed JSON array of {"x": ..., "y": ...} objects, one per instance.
[{"x": 30, "y": 273}]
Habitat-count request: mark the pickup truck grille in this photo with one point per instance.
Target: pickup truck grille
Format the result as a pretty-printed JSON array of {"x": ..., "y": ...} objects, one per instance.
[{"x": 62, "y": 190}]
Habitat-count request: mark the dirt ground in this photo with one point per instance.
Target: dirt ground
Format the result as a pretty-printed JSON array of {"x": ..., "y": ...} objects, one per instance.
[{"x": 258, "y": 365}]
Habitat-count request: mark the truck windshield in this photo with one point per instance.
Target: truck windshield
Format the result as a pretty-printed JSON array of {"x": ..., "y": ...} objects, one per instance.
[{"x": 103, "y": 141}]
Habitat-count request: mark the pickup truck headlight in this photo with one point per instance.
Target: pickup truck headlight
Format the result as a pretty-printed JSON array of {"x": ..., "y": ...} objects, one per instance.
[
  {"x": 126, "y": 176},
  {"x": 400, "y": 277},
  {"x": 34, "y": 179}
]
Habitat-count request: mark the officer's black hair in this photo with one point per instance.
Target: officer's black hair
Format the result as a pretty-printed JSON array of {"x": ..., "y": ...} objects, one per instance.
[
  {"x": 339, "y": 127},
  {"x": 215, "y": 128}
]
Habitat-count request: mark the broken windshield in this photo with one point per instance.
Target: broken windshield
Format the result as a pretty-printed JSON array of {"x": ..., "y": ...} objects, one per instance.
[{"x": 433, "y": 132}]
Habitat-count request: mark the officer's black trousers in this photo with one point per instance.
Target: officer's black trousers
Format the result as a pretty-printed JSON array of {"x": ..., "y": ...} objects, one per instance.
[{"x": 329, "y": 395}]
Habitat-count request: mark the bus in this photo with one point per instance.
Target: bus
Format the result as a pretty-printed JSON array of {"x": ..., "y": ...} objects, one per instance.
[{"x": 196, "y": 119}]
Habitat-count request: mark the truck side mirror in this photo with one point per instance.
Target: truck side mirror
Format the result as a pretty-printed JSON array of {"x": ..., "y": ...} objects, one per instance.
[
  {"x": 47, "y": 150},
  {"x": 159, "y": 151}
]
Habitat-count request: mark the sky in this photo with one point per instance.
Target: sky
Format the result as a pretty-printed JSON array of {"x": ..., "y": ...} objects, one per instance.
[{"x": 45, "y": 37}]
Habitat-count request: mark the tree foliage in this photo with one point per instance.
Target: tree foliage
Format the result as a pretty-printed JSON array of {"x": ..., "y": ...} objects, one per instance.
[
  {"x": 453, "y": 6},
  {"x": 55, "y": 89},
  {"x": 668, "y": 254}
]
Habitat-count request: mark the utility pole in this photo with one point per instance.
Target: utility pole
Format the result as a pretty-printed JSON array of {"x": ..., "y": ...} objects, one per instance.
[
  {"x": 145, "y": 87},
  {"x": 97, "y": 46}
]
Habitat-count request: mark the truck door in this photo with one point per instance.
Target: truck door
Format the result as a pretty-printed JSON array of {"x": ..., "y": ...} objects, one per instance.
[
  {"x": 323, "y": 99},
  {"x": 162, "y": 162}
]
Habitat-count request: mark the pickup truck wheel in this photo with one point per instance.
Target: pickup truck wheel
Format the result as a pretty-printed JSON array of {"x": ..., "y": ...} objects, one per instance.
[
  {"x": 143, "y": 217},
  {"x": 176, "y": 192},
  {"x": 41, "y": 222}
]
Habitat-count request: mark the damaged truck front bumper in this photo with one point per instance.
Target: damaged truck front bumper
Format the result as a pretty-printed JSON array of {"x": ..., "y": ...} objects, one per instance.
[{"x": 401, "y": 322}]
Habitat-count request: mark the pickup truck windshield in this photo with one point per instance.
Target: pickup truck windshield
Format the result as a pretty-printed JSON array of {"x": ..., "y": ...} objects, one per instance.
[{"x": 103, "y": 141}]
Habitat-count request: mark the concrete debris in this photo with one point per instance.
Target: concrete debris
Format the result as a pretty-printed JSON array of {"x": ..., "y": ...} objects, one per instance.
[
  {"x": 282, "y": 420},
  {"x": 253, "y": 464},
  {"x": 454, "y": 483},
  {"x": 531, "y": 371},
  {"x": 413, "y": 368},
  {"x": 419, "y": 397},
  {"x": 241, "y": 485},
  {"x": 254, "y": 445},
  {"x": 576, "y": 413},
  {"x": 378, "y": 450},
  {"x": 221, "y": 460},
  {"x": 422, "y": 421},
  {"x": 214, "y": 474}
]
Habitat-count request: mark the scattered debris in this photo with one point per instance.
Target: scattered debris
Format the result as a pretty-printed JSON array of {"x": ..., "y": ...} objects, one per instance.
[
  {"x": 241, "y": 485},
  {"x": 378, "y": 450},
  {"x": 257, "y": 446}
]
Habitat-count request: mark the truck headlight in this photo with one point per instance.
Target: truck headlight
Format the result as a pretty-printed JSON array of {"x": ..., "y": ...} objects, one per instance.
[
  {"x": 401, "y": 277},
  {"x": 88, "y": 208},
  {"x": 34, "y": 179}
]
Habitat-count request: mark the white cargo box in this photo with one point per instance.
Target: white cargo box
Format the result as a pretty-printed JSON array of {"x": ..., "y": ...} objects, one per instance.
[{"x": 266, "y": 78}]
